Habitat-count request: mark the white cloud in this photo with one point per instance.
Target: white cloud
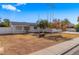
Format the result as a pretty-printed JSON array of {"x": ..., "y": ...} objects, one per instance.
[
  {"x": 10, "y": 7},
  {"x": 19, "y": 10},
  {"x": 19, "y": 4}
]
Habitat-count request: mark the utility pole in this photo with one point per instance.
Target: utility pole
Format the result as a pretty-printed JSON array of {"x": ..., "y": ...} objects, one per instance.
[
  {"x": 38, "y": 16},
  {"x": 52, "y": 6},
  {"x": 0, "y": 20},
  {"x": 47, "y": 16},
  {"x": 50, "y": 17}
]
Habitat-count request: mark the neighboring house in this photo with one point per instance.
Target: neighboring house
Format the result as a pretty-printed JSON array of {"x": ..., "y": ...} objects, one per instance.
[{"x": 71, "y": 28}]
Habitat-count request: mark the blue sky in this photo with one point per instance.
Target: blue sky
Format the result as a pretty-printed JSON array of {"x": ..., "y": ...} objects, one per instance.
[{"x": 30, "y": 12}]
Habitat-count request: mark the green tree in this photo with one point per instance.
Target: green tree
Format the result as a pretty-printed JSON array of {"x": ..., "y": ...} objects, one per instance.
[
  {"x": 77, "y": 27},
  {"x": 64, "y": 23},
  {"x": 43, "y": 24},
  {"x": 78, "y": 19},
  {"x": 50, "y": 25},
  {"x": 6, "y": 22}
]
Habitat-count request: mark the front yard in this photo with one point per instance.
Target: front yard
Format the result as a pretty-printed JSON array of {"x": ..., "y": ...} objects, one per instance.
[
  {"x": 27, "y": 43},
  {"x": 67, "y": 35}
]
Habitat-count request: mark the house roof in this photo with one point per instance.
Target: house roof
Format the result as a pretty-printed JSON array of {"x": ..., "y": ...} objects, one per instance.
[
  {"x": 70, "y": 25},
  {"x": 23, "y": 23}
]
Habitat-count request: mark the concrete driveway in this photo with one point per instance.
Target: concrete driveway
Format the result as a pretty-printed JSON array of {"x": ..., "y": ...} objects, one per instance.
[{"x": 65, "y": 48}]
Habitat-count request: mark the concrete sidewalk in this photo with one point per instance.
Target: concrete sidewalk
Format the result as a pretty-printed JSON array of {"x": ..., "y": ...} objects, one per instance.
[{"x": 59, "y": 48}]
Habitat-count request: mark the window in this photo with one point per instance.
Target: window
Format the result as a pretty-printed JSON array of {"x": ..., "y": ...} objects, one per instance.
[
  {"x": 18, "y": 27},
  {"x": 35, "y": 27},
  {"x": 26, "y": 28}
]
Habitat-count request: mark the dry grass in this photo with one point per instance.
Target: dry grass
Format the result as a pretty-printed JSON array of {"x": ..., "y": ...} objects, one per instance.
[
  {"x": 70, "y": 35},
  {"x": 27, "y": 43},
  {"x": 65, "y": 35}
]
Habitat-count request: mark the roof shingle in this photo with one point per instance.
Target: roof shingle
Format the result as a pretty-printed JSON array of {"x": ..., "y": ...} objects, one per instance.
[{"x": 23, "y": 23}]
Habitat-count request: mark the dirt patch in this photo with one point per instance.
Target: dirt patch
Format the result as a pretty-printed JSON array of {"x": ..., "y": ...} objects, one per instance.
[{"x": 56, "y": 38}]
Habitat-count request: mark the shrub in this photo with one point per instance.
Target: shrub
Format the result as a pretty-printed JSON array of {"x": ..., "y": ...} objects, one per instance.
[{"x": 77, "y": 27}]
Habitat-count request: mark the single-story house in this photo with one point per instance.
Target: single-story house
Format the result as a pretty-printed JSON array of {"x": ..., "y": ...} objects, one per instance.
[
  {"x": 71, "y": 28},
  {"x": 24, "y": 27}
]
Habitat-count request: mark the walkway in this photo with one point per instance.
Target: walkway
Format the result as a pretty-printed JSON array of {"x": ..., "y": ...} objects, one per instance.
[
  {"x": 1, "y": 49},
  {"x": 71, "y": 32},
  {"x": 59, "y": 49}
]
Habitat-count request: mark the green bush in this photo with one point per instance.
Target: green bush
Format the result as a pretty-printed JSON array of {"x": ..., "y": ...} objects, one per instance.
[{"x": 77, "y": 27}]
